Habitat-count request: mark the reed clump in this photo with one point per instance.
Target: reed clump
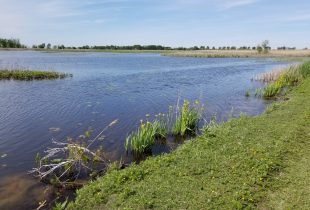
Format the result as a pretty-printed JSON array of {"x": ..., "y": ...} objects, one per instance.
[
  {"x": 280, "y": 79},
  {"x": 179, "y": 121},
  {"x": 187, "y": 119},
  {"x": 144, "y": 137},
  {"x": 31, "y": 75}
]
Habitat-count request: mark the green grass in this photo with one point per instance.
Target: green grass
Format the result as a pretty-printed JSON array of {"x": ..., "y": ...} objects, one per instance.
[
  {"x": 289, "y": 77},
  {"x": 181, "y": 123},
  {"x": 30, "y": 75},
  {"x": 248, "y": 93},
  {"x": 187, "y": 119},
  {"x": 250, "y": 162}
]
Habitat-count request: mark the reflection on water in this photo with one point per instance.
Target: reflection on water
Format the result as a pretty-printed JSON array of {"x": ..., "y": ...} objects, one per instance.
[
  {"x": 106, "y": 87},
  {"x": 22, "y": 192}
]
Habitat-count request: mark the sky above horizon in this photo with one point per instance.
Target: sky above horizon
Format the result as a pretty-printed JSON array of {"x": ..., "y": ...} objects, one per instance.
[{"x": 166, "y": 22}]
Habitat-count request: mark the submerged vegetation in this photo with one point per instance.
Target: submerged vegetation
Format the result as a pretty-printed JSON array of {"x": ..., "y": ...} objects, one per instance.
[
  {"x": 281, "y": 79},
  {"x": 31, "y": 75}
]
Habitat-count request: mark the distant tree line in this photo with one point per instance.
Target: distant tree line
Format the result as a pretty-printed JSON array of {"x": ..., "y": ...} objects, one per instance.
[
  {"x": 11, "y": 43},
  {"x": 286, "y": 48},
  {"x": 261, "y": 48}
]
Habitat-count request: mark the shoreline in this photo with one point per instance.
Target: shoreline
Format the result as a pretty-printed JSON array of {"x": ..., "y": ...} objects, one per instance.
[
  {"x": 188, "y": 53},
  {"x": 234, "y": 165}
]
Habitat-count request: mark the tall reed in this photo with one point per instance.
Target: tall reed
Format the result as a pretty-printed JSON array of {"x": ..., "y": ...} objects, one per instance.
[
  {"x": 187, "y": 119},
  {"x": 278, "y": 80},
  {"x": 182, "y": 122},
  {"x": 144, "y": 137}
]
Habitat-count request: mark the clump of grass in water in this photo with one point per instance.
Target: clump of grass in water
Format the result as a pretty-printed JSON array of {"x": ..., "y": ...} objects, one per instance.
[
  {"x": 287, "y": 77},
  {"x": 247, "y": 93},
  {"x": 186, "y": 121},
  {"x": 144, "y": 137},
  {"x": 31, "y": 75},
  {"x": 181, "y": 123}
]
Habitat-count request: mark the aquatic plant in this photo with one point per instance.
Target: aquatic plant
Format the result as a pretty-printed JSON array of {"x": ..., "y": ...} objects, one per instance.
[
  {"x": 31, "y": 75},
  {"x": 248, "y": 93},
  {"x": 285, "y": 78},
  {"x": 187, "y": 119},
  {"x": 144, "y": 137},
  {"x": 179, "y": 121}
]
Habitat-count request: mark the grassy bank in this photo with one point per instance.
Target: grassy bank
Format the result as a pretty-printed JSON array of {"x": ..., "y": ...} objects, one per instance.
[
  {"x": 31, "y": 75},
  {"x": 239, "y": 53},
  {"x": 280, "y": 80},
  {"x": 250, "y": 162}
]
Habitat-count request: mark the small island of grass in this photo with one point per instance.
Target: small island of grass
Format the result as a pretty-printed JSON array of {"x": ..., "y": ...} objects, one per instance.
[{"x": 7, "y": 74}]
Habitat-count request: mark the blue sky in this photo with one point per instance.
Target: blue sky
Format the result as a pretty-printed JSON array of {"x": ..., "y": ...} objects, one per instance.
[{"x": 165, "y": 22}]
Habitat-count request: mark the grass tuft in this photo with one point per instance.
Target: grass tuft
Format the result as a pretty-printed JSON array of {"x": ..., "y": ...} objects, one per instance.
[
  {"x": 144, "y": 137},
  {"x": 186, "y": 121}
]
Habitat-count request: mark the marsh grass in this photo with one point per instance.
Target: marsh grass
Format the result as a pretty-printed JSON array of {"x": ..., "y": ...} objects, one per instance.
[
  {"x": 31, "y": 75},
  {"x": 248, "y": 93},
  {"x": 280, "y": 79},
  {"x": 180, "y": 121},
  {"x": 144, "y": 137},
  {"x": 187, "y": 118},
  {"x": 285, "y": 54}
]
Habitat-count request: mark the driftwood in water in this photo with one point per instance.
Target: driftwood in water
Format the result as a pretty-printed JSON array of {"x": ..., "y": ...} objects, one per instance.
[{"x": 66, "y": 162}]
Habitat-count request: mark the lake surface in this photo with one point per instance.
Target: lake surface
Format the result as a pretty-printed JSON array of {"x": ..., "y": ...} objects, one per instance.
[{"x": 105, "y": 87}]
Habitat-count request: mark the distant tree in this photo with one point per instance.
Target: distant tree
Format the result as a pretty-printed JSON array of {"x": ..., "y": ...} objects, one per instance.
[
  {"x": 202, "y": 47},
  {"x": 265, "y": 46},
  {"x": 135, "y": 47},
  {"x": 233, "y": 48},
  {"x": 213, "y": 48},
  {"x": 253, "y": 48},
  {"x": 34, "y": 46},
  {"x": 208, "y": 48},
  {"x": 48, "y": 46},
  {"x": 55, "y": 47},
  {"x": 41, "y": 46},
  {"x": 228, "y": 48},
  {"x": 259, "y": 49}
]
